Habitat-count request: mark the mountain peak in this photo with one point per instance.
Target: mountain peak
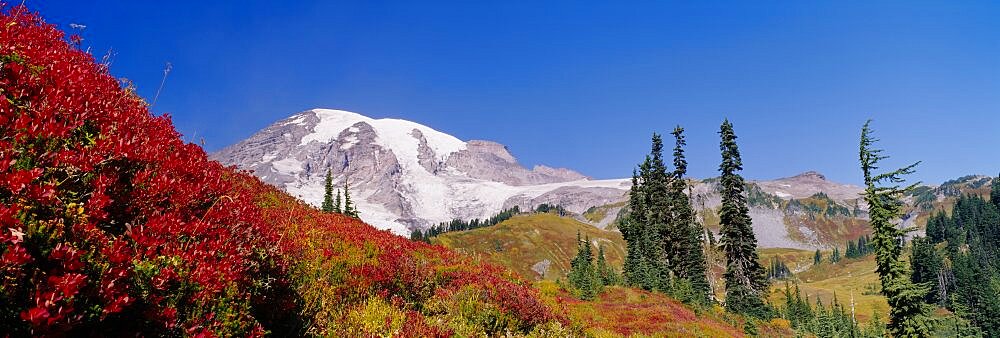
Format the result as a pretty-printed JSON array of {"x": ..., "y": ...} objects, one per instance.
[
  {"x": 404, "y": 174},
  {"x": 812, "y": 175}
]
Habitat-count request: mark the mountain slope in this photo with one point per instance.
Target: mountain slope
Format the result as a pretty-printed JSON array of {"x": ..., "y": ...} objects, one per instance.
[{"x": 405, "y": 175}]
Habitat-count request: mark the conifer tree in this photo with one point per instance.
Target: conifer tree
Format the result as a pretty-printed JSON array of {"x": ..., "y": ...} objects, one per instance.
[
  {"x": 632, "y": 229},
  {"x": 745, "y": 278},
  {"x": 995, "y": 192},
  {"x": 662, "y": 239},
  {"x": 349, "y": 209},
  {"x": 645, "y": 230},
  {"x": 689, "y": 262},
  {"x": 336, "y": 204},
  {"x": 925, "y": 268},
  {"x": 817, "y": 257},
  {"x": 908, "y": 314},
  {"x": 582, "y": 275},
  {"x": 606, "y": 273},
  {"x": 328, "y": 193},
  {"x": 416, "y": 235}
]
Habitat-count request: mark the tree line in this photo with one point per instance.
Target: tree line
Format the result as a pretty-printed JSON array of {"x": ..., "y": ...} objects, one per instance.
[
  {"x": 958, "y": 262},
  {"x": 462, "y": 225}
]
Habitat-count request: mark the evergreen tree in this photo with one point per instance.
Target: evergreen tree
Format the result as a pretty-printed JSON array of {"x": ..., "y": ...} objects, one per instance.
[
  {"x": 606, "y": 273},
  {"x": 745, "y": 278},
  {"x": 646, "y": 228},
  {"x": 582, "y": 275},
  {"x": 416, "y": 235},
  {"x": 336, "y": 204},
  {"x": 328, "y": 193},
  {"x": 632, "y": 227},
  {"x": 817, "y": 257},
  {"x": 777, "y": 269},
  {"x": 689, "y": 262},
  {"x": 908, "y": 313},
  {"x": 925, "y": 267},
  {"x": 971, "y": 286},
  {"x": 662, "y": 239},
  {"x": 349, "y": 209},
  {"x": 935, "y": 229},
  {"x": 995, "y": 192}
]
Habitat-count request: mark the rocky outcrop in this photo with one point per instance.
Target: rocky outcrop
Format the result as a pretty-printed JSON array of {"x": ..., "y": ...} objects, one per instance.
[
  {"x": 493, "y": 162},
  {"x": 810, "y": 183}
]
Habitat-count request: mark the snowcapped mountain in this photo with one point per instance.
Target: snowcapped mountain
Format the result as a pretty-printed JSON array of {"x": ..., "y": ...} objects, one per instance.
[{"x": 404, "y": 175}]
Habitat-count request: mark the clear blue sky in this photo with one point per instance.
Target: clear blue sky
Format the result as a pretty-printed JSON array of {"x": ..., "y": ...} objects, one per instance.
[{"x": 583, "y": 86}]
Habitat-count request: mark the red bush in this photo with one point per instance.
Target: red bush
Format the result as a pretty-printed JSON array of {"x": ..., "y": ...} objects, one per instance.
[{"x": 109, "y": 220}]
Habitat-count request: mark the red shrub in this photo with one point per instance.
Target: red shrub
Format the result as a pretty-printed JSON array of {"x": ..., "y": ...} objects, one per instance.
[{"x": 109, "y": 220}]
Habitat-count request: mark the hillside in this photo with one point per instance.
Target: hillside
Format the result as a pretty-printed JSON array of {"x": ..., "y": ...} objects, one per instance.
[
  {"x": 116, "y": 227},
  {"x": 537, "y": 246}
]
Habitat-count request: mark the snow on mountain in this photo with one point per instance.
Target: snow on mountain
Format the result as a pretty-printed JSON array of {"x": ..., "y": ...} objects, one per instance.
[{"x": 404, "y": 175}]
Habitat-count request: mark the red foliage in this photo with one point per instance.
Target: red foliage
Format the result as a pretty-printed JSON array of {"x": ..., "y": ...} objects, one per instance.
[
  {"x": 401, "y": 271},
  {"x": 108, "y": 216},
  {"x": 110, "y": 223}
]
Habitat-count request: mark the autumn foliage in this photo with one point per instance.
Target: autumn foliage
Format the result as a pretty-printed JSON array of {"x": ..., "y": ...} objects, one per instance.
[{"x": 111, "y": 224}]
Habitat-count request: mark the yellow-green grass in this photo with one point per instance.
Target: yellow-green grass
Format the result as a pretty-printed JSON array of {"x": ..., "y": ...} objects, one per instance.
[
  {"x": 847, "y": 278},
  {"x": 525, "y": 240}
]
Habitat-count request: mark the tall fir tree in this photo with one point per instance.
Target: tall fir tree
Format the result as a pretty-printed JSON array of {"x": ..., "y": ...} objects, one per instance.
[
  {"x": 582, "y": 275},
  {"x": 328, "y": 193},
  {"x": 336, "y": 204},
  {"x": 606, "y": 273},
  {"x": 746, "y": 282},
  {"x": 632, "y": 228},
  {"x": 646, "y": 263},
  {"x": 689, "y": 262},
  {"x": 662, "y": 236},
  {"x": 925, "y": 268},
  {"x": 349, "y": 209},
  {"x": 995, "y": 192},
  {"x": 908, "y": 313}
]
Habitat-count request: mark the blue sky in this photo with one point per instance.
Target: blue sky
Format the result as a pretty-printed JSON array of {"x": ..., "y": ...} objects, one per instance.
[{"x": 582, "y": 84}]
